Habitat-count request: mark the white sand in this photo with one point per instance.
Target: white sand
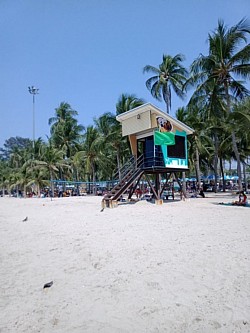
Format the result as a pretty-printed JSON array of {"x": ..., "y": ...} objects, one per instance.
[{"x": 179, "y": 267}]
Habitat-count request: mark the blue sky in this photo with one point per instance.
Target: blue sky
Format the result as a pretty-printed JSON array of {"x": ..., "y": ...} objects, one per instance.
[{"x": 89, "y": 52}]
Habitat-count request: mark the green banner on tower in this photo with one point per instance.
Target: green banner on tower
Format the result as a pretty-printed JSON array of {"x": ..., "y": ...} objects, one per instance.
[{"x": 164, "y": 138}]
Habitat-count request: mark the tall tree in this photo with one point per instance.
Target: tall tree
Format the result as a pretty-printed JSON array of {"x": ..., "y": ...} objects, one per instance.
[
  {"x": 5, "y": 172},
  {"x": 170, "y": 75},
  {"x": 226, "y": 63},
  {"x": 12, "y": 144},
  {"x": 240, "y": 121},
  {"x": 128, "y": 102},
  {"x": 121, "y": 145},
  {"x": 52, "y": 160},
  {"x": 209, "y": 101},
  {"x": 65, "y": 131},
  {"x": 105, "y": 126},
  {"x": 191, "y": 118},
  {"x": 91, "y": 154}
]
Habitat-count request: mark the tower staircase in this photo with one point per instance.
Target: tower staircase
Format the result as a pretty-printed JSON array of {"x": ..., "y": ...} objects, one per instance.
[{"x": 128, "y": 175}]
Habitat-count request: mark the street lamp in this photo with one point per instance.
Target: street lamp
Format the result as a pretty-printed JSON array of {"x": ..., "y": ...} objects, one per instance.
[{"x": 33, "y": 91}]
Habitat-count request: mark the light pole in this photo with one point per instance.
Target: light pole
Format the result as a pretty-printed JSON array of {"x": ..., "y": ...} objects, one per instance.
[{"x": 33, "y": 91}]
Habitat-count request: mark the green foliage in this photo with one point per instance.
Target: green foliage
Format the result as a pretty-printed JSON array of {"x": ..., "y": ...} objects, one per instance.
[
  {"x": 218, "y": 111},
  {"x": 65, "y": 131},
  {"x": 218, "y": 88},
  {"x": 170, "y": 75},
  {"x": 128, "y": 102},
  {"x": 13, "y": 144}
]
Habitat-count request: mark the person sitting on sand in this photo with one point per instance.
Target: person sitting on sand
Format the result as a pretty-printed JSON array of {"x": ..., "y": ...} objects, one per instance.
[
  {"x": 242, "y": 199},
  {"x": 138, "y": 193},
  {"x": 201, "y": 193}
]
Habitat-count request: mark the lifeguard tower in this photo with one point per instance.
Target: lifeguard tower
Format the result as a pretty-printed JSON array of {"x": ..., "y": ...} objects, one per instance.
[{"x": 159, "y": 147}]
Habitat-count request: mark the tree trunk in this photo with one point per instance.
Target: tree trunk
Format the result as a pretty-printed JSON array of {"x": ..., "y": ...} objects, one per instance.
[
  {"x": 216, "y": 149},
  {"x": 237, "y": 155},
  {"x": 245, "y": 176},
  {"x": 234, "y": 143},
  {"x": 184, "y": 185},
  {"x": 118, "y": 164},
  {"x": 24, "y": 191},
  {"x": 197, "y": 167},
  {"x": 222, "y": 174},
  {"x": 52, "y": 185},
  {"x": 93, "y": 178},
  {"x": 38, "y": 191}
]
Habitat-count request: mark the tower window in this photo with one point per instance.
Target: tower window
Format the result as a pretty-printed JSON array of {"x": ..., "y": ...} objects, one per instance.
[{"x": 178, "y": 150}]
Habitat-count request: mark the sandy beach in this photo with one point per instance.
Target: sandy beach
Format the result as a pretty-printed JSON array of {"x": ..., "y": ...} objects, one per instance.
[{"x": 178, "y": 267}]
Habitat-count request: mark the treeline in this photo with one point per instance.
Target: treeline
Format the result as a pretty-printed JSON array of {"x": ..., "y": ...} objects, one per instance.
[{"x": 218, "y": 111}]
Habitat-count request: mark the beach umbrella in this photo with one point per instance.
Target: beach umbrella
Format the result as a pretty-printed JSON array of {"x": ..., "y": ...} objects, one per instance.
[
  {"x": 234, "y": 178},
  {"x": 210, "y": 177},
  {"x": 192, "y": 179}
]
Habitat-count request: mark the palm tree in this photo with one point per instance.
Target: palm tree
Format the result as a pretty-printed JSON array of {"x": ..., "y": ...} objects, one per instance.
[
  {"x": 128, "y": 102},
  {"x": 240, "y": 118},
  {"x": 77, "y": 164},
  {"x": 63, "y": 113},
  {"x": 210, "y": 101},
  {"x": 105, "y": 126},
  {"x": 121, "y": 145},
  {"x": 38, "y": 179},
  {"x": 52, "y": 160},
  {"x": 170, "y": 75},
  {"x": 114, "y": 146},
  {"x": 17, "y": 159},
  {"x": 241, "y": 115},
  {"x": 91, "y": 154},
  {"x": 21, "y": 180},
  {"x": 104, "y": 123},
  {"x": 66, "y": 133},
  {"x": 4, "y": 176},
  {"x": 225, "y": 63},
  {"x": 192, "y": 119}
]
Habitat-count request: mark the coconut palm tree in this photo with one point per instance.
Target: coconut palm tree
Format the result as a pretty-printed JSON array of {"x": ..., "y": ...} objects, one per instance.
[
  {"x": 91, "y": 154},
  {"x": 210, "y": 101},
  {"x": 121, "y": 145},
  {"x": 128, "y": 102},
  {"x": 241, "y": 114},
  {"x": 52, "y": 160},
  {"x": 105, "y": 125},
  {"x": 22, "y": 180},
  {"x": 226, "y": 63},
  {"x": 115, "y": 146},
  {"x": 5, "y": 172},
  {"x": 77, "y": 164},
  {"x": 66, "y": 133},
  {"x": 63, "y": 113},
  {"x": 199, "y": 143},
  {"x": 170, "y": 75},
  {"x": 192, "y": 119},
  {"x": 240, "y": 118},
  {"x": 38, "y": 179}
]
